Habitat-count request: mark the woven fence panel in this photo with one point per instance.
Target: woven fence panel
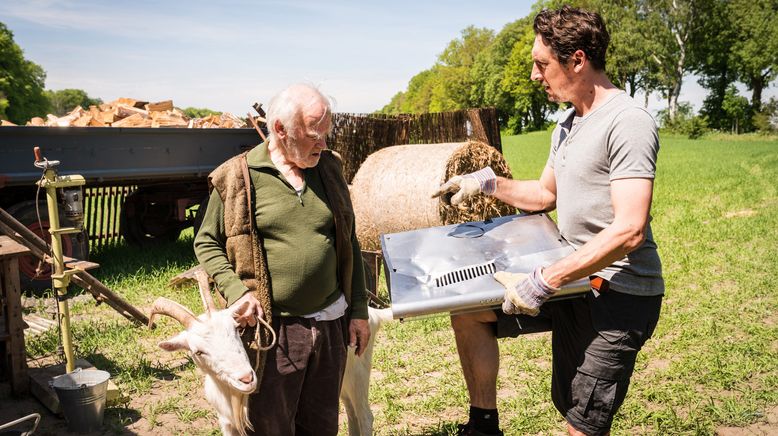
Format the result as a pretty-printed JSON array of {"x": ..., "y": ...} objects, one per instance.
[{"x": 356, "y": 136}]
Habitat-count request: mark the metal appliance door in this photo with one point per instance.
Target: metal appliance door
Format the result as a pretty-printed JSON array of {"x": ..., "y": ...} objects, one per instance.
[{"x": 449, "y": 268}]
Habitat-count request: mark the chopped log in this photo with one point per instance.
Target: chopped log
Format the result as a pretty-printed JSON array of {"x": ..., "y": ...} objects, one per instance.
[
  {"x": 136, "y": 120},
  {"x": 123, "y": 111},
  {"x": 165, "y": 119},
  {"x": 108, "y": 117},
  {"x": 159, "y": 106},
  {"x": 130, "y": 102},
  {"x": 6, "y": 123},
  {"x": 96, "y": 122},
  {"x": 36, "y": 121},
  {"x": 83, "y": 121}
]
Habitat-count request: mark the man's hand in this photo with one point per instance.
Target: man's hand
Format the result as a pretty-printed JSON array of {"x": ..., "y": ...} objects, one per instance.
[
  {"x": 466, "y": 186},
  {"x": 247, "y": 315},
  {"x": 524, "y": 294},
  {"x": 359, "y": 335}
]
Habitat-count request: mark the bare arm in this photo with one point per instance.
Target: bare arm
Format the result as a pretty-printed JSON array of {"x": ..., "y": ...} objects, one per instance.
[
  {"x": 631, "y": 200},
  {"x": 529, "y": 195}
]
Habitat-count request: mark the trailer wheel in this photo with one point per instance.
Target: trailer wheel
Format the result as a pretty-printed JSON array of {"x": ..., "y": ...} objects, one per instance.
[
  {"x": 73, "y": 245},
  {"x": 144, "y": 223}
]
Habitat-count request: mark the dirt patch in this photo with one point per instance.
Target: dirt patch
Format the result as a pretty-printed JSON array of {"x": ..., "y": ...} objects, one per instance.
[
  {"x": 767, "y": 427},
  {"x": 740, "y": 213}
]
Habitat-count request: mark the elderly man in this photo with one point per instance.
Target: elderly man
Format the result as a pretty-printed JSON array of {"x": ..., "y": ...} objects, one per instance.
[
  {"x": 599, "y": 176},
  {"x": 279, "y": 233}
]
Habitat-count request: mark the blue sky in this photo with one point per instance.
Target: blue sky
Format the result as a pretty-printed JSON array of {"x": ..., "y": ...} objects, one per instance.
[{"x": 225, "y": 55}]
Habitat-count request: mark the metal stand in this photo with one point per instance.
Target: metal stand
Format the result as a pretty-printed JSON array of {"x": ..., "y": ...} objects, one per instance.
[{"x": 60, "y": 279}]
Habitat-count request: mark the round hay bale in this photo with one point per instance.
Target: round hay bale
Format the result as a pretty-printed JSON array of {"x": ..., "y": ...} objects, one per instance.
[{"x": 392, "y": 190}]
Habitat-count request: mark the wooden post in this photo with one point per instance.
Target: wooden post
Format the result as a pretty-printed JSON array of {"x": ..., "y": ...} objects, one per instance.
[{"x": 16, "y": 358}]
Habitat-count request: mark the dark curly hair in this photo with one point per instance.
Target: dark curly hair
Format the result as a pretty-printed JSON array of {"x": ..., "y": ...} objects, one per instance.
[{"x": 569, "y": 29}]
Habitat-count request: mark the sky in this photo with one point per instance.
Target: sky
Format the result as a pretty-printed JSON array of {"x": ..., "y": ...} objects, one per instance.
[{"x": 226, "y": 55}]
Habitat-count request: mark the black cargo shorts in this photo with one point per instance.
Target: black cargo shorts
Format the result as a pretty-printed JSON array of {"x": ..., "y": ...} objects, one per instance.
[{"x": 594, "y": 341}]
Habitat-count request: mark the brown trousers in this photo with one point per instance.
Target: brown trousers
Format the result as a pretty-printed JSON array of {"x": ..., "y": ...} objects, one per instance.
[{"x": 300, "y": 387}]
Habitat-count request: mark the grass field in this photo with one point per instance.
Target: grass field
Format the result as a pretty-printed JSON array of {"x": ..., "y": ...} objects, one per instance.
[{"x": 711, "y": 363}]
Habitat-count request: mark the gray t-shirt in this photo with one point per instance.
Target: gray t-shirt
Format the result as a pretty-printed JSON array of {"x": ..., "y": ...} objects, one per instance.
[{"x": 617, "y": 140}]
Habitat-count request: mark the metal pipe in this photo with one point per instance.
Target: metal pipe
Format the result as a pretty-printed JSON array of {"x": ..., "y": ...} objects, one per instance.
[{"x": 59, "y": 280}]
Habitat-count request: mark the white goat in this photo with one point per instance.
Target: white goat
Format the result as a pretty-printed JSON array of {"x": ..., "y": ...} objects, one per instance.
[
  {"x": 213, "y": 342},
  {"x": 356, "y": 380},
  {"x": 214, "y": 345}
]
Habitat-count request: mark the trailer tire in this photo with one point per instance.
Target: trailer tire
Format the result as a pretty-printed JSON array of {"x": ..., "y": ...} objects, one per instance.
[
  {"x": 141, "y": 231},
  {"x": 73, "y": 245}
]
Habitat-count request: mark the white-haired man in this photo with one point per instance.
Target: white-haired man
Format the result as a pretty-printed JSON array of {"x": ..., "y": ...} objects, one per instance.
[{"x": 279, "y": 233}]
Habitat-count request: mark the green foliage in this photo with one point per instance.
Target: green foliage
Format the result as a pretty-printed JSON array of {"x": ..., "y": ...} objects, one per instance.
[
  {"x": 449, "y": 84},
  {"x": 754, "y": 50},
  {"x": 196, "y": 112},
  {"x": 65, "y": 100},
  {"x": 766, "y": 120},
  {"x": 684, "y": 122},
  {"x": 737, "y": 109},
  {"x": 21, "y": 82}
]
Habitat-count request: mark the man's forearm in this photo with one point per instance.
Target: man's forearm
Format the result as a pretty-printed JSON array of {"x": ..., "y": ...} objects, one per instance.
[
  {"x": 611, "y": 244},
  {"x": 527, "y": 195}
]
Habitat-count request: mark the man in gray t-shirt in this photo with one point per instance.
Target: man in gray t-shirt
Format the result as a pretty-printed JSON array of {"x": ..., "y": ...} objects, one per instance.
[{"x": 599, "y": 176}]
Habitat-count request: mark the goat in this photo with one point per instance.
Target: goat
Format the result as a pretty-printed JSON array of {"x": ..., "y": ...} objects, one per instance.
[
  {"x": 215, "y": 347},
  {"x": 213, "y": 343},
  {"x": 356, "y": 380}
]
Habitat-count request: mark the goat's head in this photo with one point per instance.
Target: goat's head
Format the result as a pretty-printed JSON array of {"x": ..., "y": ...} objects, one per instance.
[{"x": 212, "y": 340}]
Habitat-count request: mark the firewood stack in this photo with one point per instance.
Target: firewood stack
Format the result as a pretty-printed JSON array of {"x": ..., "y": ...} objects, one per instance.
[{"x": 128, "y": 112}]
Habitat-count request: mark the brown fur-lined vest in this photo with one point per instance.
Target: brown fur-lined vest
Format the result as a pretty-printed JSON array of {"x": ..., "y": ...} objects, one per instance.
[{"x": 244, "y": 245}]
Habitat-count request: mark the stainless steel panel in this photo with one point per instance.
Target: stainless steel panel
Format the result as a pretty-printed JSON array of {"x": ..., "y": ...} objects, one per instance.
[{"x": 449, "y": 268}]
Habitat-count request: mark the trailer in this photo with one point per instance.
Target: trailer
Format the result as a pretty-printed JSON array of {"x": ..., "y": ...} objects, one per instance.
[{"x": 141, "y": 183}]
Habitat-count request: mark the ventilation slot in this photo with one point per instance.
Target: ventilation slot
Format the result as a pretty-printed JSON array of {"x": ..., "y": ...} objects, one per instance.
[{"x": 462, "y": 274}]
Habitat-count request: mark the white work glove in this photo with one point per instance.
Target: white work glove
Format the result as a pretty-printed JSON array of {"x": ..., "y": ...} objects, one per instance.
[
  {"x": 524, "y": 293},
  {"x": 465, "y": 186}
]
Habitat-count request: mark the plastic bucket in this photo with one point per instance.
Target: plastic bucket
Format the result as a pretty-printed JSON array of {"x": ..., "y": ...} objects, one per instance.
[{"x": 82, "y": 398}]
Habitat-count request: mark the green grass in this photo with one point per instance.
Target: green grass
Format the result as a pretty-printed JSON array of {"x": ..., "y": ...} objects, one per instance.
[{"x": 712, "y": 361}]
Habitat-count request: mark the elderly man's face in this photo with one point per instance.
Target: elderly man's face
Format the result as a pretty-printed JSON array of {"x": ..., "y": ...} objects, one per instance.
[{"x": 304, "y": 150}]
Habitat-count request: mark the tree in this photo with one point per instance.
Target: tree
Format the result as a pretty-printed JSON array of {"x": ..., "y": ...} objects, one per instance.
[
  {"x": 671, "y": 25},
  {"x": 21, "y": 82},
  {"x": 456, "y": 82},
  {"x": 197, "y": 112},
  {"x": 737, "y": 109},
  {"x": 627, "y": 65},
  {"x": 766, "y": 120},
  {"x": 416, "y": 99},
  {"x": 755, "y": 49},
  {"x": 712, "y": 60},
  {"x": 65, "y": 100},
  {"x": 530, "y": 103}
]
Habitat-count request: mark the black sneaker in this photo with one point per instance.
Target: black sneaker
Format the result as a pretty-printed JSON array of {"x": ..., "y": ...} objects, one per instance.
[{"x": 468, "y": 430}]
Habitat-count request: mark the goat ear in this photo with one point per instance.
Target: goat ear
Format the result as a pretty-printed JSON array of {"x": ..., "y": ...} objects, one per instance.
[{"x": 177, "y": 342}]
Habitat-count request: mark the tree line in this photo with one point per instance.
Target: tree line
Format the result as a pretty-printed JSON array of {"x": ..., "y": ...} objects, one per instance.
[{"x": 654, "y": 45}]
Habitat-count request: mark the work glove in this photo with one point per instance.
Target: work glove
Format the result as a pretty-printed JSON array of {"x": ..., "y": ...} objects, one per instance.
[
  {"x": 524, "y": 293},
  {"x": 465, "y": 186}
]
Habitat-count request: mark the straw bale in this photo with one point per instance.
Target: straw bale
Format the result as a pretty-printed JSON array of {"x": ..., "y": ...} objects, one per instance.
[{"x": 392, "y": 190}]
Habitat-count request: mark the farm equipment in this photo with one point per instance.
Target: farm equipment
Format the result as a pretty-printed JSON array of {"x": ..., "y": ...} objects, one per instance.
[{"x": 141, "y": 182}]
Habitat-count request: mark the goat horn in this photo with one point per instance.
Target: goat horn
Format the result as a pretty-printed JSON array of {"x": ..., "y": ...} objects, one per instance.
[
  {"x": 205, "y": 291},
  {"x": 163, "y": 306}
]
